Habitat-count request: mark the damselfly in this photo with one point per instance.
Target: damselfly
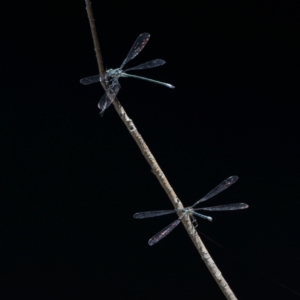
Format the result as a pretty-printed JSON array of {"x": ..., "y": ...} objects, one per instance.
[
  {"x": 112, "y": 75},
  {"x": 191, "y": 212}
]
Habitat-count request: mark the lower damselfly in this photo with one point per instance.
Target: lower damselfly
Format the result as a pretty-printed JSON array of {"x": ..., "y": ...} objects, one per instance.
[
  {"x": 191, "y": 211},
  {"x": 112, "y": 75}
]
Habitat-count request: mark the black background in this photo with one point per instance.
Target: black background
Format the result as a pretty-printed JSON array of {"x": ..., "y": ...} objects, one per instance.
[{"x": 72, "y": 180}]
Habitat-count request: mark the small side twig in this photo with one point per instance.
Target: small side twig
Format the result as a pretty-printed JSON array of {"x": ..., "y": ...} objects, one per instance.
[{"x": 157, "y": 170}]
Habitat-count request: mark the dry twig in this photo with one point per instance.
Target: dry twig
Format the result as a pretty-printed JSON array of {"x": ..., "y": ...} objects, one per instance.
[{"x": 157, "y": 170}]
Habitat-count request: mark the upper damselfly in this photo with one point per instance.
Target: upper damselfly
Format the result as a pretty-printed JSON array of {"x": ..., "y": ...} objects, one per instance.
[{"x": 112, "y": 75}]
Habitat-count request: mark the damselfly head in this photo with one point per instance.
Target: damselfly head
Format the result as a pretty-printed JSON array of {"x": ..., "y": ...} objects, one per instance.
[
  {"x": 188, "y": 210},
  {"x": 113, "y": 73}
]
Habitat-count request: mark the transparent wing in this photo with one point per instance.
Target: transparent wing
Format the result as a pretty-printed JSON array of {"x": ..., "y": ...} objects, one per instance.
[
  {"x": 90, "y": 80},
  {"x": 150, "y": 64},
  {"x": 160, "y": 235},
  {"x": 109, "y": 96},
  {"x": 136, "y": 48},
  {"x": 233, "y": 206},
  {"x": 150, "y": 214},
  {"x": 218, "y": 189}
]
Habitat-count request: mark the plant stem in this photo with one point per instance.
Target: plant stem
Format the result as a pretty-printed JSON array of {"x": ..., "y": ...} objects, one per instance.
[{"x": 158, "y": 172}]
